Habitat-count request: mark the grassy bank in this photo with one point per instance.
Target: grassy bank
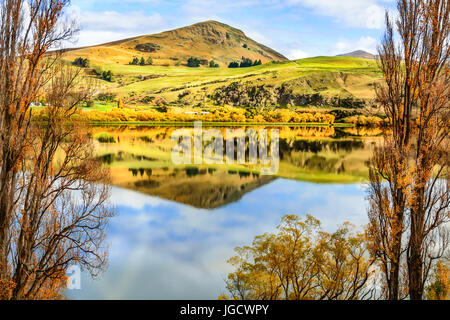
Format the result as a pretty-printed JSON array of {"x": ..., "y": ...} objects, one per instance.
[{"x": 222, "y": 124}]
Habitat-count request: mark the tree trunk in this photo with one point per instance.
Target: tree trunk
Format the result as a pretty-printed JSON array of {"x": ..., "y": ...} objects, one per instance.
[
  {"x": 394, "y": 286},
  {"x": 4, "y": 224},
  {"x": 415, "y": 250},
  {"x": 415, "y": 268}
]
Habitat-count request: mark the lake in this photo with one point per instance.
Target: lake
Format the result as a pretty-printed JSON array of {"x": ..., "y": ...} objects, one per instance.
[{"x": 176, "y": 226}]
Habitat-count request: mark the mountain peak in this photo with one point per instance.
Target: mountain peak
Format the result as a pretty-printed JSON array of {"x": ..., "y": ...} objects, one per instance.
[
  {"x": 210, "y": 28},
  {"x": 207, "y": 40},
  {"x": 358, "y": 54},
  {"x": 212, "y": 22}
]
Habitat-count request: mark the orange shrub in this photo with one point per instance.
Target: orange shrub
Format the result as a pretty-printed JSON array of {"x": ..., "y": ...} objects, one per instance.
[{"x": 226, "y": 114}]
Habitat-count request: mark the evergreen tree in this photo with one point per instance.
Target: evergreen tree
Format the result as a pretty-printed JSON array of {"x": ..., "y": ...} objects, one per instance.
[
  {"x": 257, "y": 62},
  {"x": 193, "y": 62},
  {"x": 135, "y": 61},
  {"x": 246, "y": 62},
  {"x": 108, "y": 76},
  {"x": 83, "y": 63}
]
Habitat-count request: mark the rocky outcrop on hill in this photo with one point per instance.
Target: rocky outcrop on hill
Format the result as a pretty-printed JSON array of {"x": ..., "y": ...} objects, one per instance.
[{"x": 250, "y": 94}]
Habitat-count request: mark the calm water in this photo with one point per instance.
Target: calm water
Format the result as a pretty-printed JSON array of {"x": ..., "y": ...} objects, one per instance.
[{"x": 177, "y": 226}]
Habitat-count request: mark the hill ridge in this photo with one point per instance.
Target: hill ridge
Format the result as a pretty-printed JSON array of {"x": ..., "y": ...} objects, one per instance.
[
  {"x": 359, "y": 54},
  {"x": 207, "y": 40}
]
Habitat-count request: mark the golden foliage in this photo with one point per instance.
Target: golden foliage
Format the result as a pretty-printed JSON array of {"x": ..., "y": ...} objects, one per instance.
[
  {"x": 226, "y": 114},
  {"x": 439, "y": 289},
  {"x": 408, "y": 194},
  {"x": 302, "y": 262}
]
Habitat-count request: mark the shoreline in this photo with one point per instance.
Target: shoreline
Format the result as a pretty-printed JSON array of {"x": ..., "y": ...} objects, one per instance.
[{"x": 221, "y": 124}]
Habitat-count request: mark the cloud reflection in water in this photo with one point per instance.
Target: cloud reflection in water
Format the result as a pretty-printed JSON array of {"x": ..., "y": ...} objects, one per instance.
[{"x": 164, "y": 250}]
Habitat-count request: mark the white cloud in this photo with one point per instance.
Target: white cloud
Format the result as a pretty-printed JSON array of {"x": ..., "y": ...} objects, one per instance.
[
  {"x": 115, "y": 21},
  {"x": 106, "y": 26},
  {"x": 134, "y": 200},
  {"x": 90, "y": 38},
  {"x": 353, "y": 13},
  {"x": 365, "y": 43},
  {"x": 297, "y": 54}
]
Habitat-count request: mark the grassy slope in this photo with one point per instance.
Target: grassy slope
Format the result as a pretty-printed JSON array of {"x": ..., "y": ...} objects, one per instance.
[
  {"x": 206, "y": 40},
  {"x": 329, "y": 76}
]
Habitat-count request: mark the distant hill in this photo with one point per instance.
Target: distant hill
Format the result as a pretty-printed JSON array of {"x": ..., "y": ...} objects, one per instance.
[
  {"x": 359, "y": 54},
  {"x": 210, "y": 40}
]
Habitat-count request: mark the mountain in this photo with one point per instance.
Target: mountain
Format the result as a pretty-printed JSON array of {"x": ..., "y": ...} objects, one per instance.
[
  {"x": 359, "y": 54},
  {"x": 205, "y": 191},
  {"x": 210, "y": 40}
]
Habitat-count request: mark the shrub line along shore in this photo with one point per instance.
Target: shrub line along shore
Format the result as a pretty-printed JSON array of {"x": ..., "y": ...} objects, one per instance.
[{"x": 224, "y": 124}]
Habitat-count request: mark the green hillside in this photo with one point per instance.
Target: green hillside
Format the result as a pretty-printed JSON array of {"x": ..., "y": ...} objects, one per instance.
[
  {"x": 322, "y": 82},
  {"x": 327, "y": 76}
]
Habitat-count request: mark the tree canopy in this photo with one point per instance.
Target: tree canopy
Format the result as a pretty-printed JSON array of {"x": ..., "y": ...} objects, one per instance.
[{"x": 193, "y": 62}]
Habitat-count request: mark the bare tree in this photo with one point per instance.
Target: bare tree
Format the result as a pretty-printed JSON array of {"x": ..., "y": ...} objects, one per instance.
[
  {"x": 53, "y": 194},
  {"x": 409, "y": 174},
  {"x": 387, "y": 210},
  {"x": 429, "y": 197}
]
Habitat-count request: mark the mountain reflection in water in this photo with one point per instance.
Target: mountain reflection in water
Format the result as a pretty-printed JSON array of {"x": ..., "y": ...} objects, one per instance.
[{"x": 140, "y": 160}]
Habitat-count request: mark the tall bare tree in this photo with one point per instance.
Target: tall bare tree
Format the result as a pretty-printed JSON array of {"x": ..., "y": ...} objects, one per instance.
[
  {"x": 53, "y": 194},
  {"x": 408, "y": 193},
  {"x": 429, "y": 197}
]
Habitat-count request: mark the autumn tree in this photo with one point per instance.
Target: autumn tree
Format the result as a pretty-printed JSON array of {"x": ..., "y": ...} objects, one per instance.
[
  {"x": 439, "y": 287},
  {"x": 301, "y": 262},
  {"x": 53, "y": 193},
  {"x": 408, "y": 193},
  {"x": 119, "y": 103}
]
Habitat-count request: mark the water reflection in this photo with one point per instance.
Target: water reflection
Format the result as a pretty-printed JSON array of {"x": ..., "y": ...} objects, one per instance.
[
  {"x": 178, "y": 225},
  {"x": 140, "y": 159},
  {"x": 165, "y": 250}
]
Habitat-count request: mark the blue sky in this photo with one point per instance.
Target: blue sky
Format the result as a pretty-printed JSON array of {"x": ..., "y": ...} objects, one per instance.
[{"x": 296, "y": 28}]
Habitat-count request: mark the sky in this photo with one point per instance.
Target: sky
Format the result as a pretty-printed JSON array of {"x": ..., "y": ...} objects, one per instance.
[{"x": 295, "y": 28}]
